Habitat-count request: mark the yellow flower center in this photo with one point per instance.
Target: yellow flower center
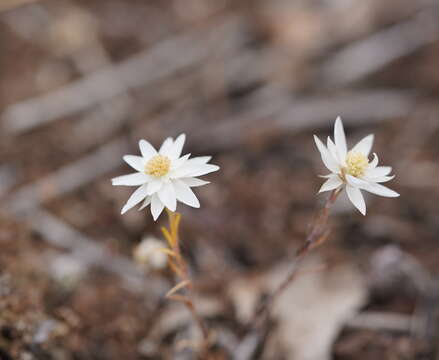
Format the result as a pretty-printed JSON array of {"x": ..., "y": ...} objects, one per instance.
[
  {"x": 158, "y": 166},
  {"x": 356, "y": 164}
]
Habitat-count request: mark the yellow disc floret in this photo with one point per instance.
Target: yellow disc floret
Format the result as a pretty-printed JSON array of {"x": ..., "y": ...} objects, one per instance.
[
  {"x": 356, "y": 163},
  {"x": 158, "y": 166}
]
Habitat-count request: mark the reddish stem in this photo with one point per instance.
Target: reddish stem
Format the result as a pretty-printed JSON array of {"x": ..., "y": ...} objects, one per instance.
[{"x": 317, "y": 236}]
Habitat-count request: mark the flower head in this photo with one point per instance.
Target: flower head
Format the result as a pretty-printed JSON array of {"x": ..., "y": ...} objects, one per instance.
[
  {"x": 164, "y": 177},
  {"x": 148, "y": 254},
  {"x": 353, "y": 169}
]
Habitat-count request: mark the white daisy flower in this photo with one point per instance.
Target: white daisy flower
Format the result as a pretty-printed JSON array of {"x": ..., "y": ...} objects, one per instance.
[
  {"x": 352, "y": 168},
  {"x": 164, "y": 176}
]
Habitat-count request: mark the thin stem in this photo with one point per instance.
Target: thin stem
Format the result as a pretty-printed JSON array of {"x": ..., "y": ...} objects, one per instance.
[
  {"x": 317, "y": 236},
  {"x": 187, "y": 296},
  {"x": 198, "y": 320}
]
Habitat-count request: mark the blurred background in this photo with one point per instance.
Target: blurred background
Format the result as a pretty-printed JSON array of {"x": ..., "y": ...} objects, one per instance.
[{"x": 249, "y": 82}]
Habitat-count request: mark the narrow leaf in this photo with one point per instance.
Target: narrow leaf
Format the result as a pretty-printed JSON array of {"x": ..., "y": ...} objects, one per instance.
[{"x": 177, "y": 287}]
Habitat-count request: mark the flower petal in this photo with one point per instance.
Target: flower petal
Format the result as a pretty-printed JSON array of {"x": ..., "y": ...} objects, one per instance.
[
  {"x": 332, "y": 183},
  {"x": 167, "y": 196},
  {"x": 340, "y": 138},
  {"x": 156, "y": 207},
  {"x": 146, "y": 202},
  {"x": 356, "y": 182},
  {"x": 383, "y": 179},
  {"x": 136, "y": 197},
  {"x": 371, "y": 187},
  {"x": 381, "y": 190},
  {"x": 154, "y": 186},
  {"x": 194, "y": 182},
  {"x": 199, "y": 160},
  {"x": 175, "y": 150},
  {"x": 185, "y": 194},
  {"x": 135, "y": 162},
  {"x": 326, "y": 156},
  {"x": 191, "y": 166},
  {"x": 332, "y": 150},
  {"x": 166, "y": 146},
  {"x": 326, "y": 176},
  {"x": 356, "y": 198},
  {"x": 130, "y": 180},
  {"x": 373, "y": 164},
  {"x": 147, "y": 149},
  {"x": 179, "y": 162},
  {"x": 200, "y": 170},
  {"x": 364, "y": 145},
  {"x": 378, "y": 171}
]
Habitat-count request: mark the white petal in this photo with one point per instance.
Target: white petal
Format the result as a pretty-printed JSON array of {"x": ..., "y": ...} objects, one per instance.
[
  {"x": 130, "y": 180},
  {"x": 356, "y": 198},
  {"x": 175, "y": 150},
  {"x": 146, "y": 202},
  {"x": 340, "y": 138},
  {"x": 167, "y": 196},
  {"x": 193, "y": 166},
  {"x": 185, "y": 194},
  {"x": 147, "y": 149},
  {"x": 332, "y": 183},
  {"x": 326, "y": 176},
  {"x": 200, "y": 170},
  {"x": 383, "y": 179},
  {"x": 364, "y": 145},
  {"x": 373, "y": 164},
  {"x": 356, "y": 182},
  {"x": 332, "y": 149},
  {"x": 154, "y": 186},
  {"x": 378, "y": 171},
  {"x": 135, "y": 162},
  {"x": 182, "y": 171},
  {"x": 179, "y": 162},
  {"x": 199, "y": 160},
  {"x": 381, "y": 190},
  {"x": 194, "y": 182},
  {"x": 136, "y": 197},
  {"x": 326, "y": 156},
  {"x": 156, "y": 207},
  {"x": 166, "y": 146},
  {"x": 371, "y": 187}
]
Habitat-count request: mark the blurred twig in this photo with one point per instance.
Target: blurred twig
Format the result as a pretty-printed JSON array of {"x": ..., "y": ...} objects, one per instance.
[
  {"x": 6, "y": 5},
  {"x": 272, "y": 113},
  {"x": 69, "y": 177},
  {"x": 366, "y": 56},
  {"x": 87, "y": 250},
  {"x": 140, "y": 70},
  {"x": 371, "y": 320}
]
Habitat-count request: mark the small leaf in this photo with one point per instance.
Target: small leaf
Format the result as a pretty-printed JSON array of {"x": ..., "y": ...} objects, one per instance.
[
  {"x": 181, "y": 298},
  {"x": 177, "y": 287},
  {"x": 168, "y": 237},
  {"x": 174, "y": 267},
  {"x": 168, "y": 252}
]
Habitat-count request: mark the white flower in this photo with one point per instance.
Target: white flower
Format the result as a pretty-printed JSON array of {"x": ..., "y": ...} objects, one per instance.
[
  {"x": 164, "y": 176},
  {"x": 353, "y": 169},
  {"x": 148, "y": 254}
]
